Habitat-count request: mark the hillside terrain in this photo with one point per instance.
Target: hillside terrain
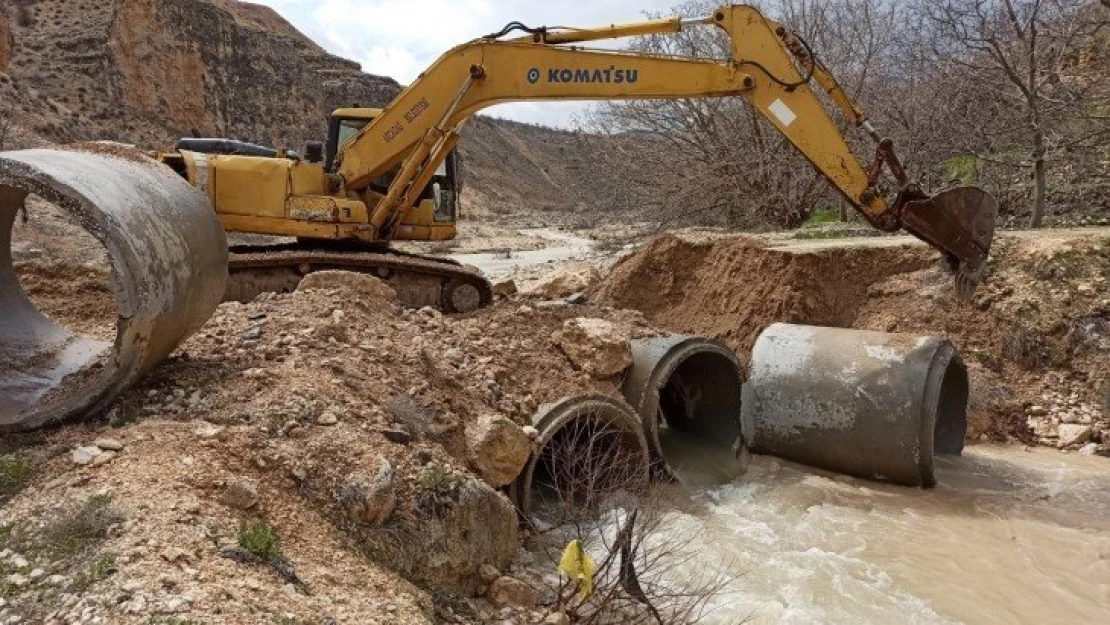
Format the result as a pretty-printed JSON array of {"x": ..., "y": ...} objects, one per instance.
[{"x": 149, "y": 71}]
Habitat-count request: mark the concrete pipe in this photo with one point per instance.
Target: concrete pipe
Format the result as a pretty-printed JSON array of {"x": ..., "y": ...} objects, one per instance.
[
  {"x": 868, "y": 404},
  {"x": 687, "y": 391},
  {"x": 168, "y": 259},
  {"x": 589, "y": 447}
]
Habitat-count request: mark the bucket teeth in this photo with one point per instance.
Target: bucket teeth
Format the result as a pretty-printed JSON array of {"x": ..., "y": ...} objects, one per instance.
[{"x": 959, "y": 222}]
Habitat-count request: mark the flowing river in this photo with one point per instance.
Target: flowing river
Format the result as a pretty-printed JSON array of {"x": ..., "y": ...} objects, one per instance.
[
  {"x": 1010, "y": 535},
  {"x": 562, "y": 247}
]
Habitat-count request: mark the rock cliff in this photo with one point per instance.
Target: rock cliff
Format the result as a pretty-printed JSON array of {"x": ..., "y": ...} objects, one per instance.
[{"x": 147, "y": 71}]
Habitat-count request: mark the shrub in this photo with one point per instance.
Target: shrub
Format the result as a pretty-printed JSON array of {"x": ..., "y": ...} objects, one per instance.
[
  {"x": 79, "y": 528},
  {"x": 260, "y": 539},
  {"x": 15, "y": 471}
]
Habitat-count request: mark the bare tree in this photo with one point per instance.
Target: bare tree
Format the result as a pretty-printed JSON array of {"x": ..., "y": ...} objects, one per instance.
[
  {"x": 720, "y": 161},
  {"x": 1016, "y": 51},
  {"x": 988, "y": 92}
]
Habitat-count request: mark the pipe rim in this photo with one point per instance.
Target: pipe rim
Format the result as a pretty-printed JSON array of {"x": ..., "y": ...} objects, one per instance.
[
  {"x": 946, "y": 361},
  {"x": 550, "y": 418}
]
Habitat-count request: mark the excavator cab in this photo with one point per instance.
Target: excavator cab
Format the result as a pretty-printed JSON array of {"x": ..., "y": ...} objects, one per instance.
[
  {"x": 435, "y": 213},
  {"x": 343, "y": 124}
]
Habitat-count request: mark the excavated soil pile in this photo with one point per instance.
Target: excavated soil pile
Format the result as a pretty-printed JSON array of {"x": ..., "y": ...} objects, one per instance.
[
  {"x": 731, "y": 289},
  {"x": 1035, "y": 337}
]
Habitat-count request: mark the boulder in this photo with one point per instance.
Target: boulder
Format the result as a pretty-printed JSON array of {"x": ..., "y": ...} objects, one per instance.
[
  {"x": 109, "y": 444},
  {"x": 357, "y": 283},
  {"x": 242, "y": 495},
  {"x": 488, "y": 573},
  {"x": 369, "y": 500},
  {"x": 1073, "y": 435},
  {"x": 595, "y": 346},
  {"x": 85, "y": 455},
  {"x": 565, "y": 281},
  {"x": 504, "y": 288},
  {"x": 444, "y": 545},
  {"x": 509, "y": 591},
  {"x": 498, "y": 449}
]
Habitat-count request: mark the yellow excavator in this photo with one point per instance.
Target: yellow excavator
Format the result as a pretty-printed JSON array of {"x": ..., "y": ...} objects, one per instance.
[{"x": 390, "y": 174}]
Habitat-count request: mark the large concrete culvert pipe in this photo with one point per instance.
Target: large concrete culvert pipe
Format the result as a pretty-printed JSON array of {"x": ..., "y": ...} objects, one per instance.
[
  {"x": 168, "y": 261},
  {"x": 687, "y": 391},
  {"x": 589, "y": 447},
  {"x": 868, "y": 404}
]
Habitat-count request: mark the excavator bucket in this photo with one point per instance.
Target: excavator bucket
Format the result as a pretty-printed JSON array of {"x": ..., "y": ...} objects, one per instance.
[{"x": 960, "y": 223}]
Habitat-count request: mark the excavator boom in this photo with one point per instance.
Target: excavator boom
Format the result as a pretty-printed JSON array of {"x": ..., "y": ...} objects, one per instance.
[{"x": 774, "y": 70}]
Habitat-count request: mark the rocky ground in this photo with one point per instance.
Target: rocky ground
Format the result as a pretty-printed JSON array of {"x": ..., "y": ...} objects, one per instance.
[
  {"x": 330, "y": 456},
  {"x": 326, "y": 454}
]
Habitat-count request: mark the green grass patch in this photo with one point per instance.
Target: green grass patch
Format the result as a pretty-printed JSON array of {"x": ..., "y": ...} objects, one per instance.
[
  {"x": 15, "y": 472},
  {"x": 80, "y": 527},
  {"x": 104, "y": 566},
  {"x": 260, "y": 539},
  {"x": 964, "y": 168},
  {"x": 822, "y": 216},
  {"x": 820, "y": 234}
]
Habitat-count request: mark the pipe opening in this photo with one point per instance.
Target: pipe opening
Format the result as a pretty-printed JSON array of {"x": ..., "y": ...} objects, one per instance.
[
  {"x": 589, "y": 449},
  {"x": 584, "y": 462},
  {"x": 687, "y": 391},
  {"x": 698, "y": 421},
  {"x": 951, "y": 418},
  {"x": 70, "y": 344},
  {"x": 58, "y": 305}
]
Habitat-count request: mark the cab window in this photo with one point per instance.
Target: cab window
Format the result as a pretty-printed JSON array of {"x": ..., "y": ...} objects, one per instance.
[
  {"x": 444, "y": 194},
  {"x": 349, "y": 128}
]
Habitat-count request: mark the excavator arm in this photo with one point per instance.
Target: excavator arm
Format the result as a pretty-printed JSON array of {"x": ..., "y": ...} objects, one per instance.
[{"x": 772, "y": 69}]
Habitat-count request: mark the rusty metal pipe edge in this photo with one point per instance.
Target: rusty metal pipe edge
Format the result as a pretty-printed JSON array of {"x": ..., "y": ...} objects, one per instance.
[
  {"x": 168, "y": 261},
  {"x": 611, "y": 417},
  {"x": 687, "y": 391},
  {"x": 869, "y": 404}
]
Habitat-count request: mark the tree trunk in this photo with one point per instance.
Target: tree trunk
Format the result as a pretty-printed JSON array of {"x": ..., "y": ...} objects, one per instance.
[
  {"x": 843, "y": 210},
  {"x": 1038, "y": 179}
]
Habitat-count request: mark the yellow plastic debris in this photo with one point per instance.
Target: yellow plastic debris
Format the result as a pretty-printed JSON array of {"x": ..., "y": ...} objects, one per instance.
[{"x": 579, "y": 566}]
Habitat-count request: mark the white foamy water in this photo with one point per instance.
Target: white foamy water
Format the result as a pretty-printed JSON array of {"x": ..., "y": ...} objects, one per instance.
[{"x": 1008, "y": 536}]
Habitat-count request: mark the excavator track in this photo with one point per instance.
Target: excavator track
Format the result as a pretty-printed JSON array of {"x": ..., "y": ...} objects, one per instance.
[{"x": 419, "y": 280}]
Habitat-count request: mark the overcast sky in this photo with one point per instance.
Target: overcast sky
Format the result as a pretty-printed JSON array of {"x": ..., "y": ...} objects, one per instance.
[{"x": 399, "y": 38}]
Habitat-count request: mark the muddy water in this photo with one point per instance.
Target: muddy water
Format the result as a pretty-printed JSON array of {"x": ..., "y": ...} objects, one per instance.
[
  {"x": 562, "y": 247},
  {"x": 1009, "y": 536}
]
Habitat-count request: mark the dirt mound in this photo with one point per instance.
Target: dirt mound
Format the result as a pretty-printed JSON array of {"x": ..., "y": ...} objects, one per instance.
[
  {"x": 1036, "y": 333},
  {"x": 340, "y": 420},
  {"x": 732, "y": 288}
]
